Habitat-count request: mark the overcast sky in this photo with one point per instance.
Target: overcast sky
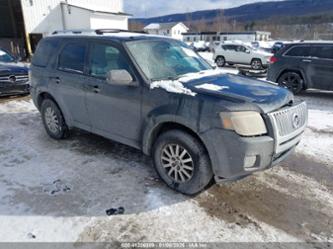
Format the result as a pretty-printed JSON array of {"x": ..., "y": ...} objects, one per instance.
[{"x": 151, "y": 8}]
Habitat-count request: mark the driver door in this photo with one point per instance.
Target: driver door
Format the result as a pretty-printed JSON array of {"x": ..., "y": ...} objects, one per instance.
[{"x": 114, "y": 110}]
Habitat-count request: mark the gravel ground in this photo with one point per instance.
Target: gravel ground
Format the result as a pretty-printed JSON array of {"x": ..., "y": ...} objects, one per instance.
[{"x": 59, "y": 191}]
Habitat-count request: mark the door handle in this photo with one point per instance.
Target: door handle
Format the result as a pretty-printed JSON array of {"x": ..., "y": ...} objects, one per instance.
[
  {"x": 56, "y": 79},
  {"x": 95, "y": 88}
]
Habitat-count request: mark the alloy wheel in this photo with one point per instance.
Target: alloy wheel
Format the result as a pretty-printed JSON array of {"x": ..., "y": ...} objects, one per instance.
[
  {"x": 177, "y": 162},
  {"x": 51, "y": 120}
]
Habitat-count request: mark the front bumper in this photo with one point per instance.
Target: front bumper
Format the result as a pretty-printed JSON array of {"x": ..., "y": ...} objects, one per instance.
[
  {"x": 234, "y": 157},
  {"x": 9, "y": 89}
]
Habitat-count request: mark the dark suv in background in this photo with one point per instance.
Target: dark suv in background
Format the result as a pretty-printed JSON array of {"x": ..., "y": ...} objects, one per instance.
[
  {"x": 159, "y": 96},
  {"x": 304, "y": 65},
  {"x": 14, "y": 76}
]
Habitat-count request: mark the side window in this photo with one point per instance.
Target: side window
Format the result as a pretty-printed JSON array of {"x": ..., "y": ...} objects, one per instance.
[
  {"x": 299, "y": 51},
  {"x": 322, "y": 52},
  {"x": 72, "y": 58},
  {"x": 241, "y": 49},
  {"x": 104, "y": 58},
  {"x": 45, "y": 50}
]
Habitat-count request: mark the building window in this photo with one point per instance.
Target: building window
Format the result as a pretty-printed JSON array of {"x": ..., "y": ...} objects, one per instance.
[{"x": 168, "y": 31}]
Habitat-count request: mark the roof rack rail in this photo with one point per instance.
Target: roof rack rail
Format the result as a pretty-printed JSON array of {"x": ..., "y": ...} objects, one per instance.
[
  {"x": 103, "y": 31},
  {"x": 72, "y": 31},
  {"x": 97, "y": 31}
]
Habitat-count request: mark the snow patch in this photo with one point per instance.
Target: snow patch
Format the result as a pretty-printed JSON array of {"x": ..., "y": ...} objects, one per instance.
[
  {"x": 172, "y": 86},
  {"x": 212, "y": 87},
  {"x": 2, "y": 53}
]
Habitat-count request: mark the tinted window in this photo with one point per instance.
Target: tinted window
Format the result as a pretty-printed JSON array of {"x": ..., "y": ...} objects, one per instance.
[
  {"x": 241, "y": 49},
  {"x": 45, "y": 49},
  {"x": 229, "y": 47},
  {"x": 323, "y": 52},
  {"x": 104, "y": 58},
  {"x": 72, "y": 58},
  {"x": 299, "y": 51}
]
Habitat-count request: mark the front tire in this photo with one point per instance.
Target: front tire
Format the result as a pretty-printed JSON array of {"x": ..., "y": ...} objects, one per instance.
[
  {"x": 53, "y": 120},
  {"x": 293, "y": 81},
  {"x": 182, "y": 162}
]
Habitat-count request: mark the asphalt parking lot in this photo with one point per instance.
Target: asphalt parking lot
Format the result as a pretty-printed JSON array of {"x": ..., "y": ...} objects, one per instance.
[{"x": 53, "y": 191}]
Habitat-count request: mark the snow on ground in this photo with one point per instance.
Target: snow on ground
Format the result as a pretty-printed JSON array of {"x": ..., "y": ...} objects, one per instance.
[{"x": 59, "y": 190}]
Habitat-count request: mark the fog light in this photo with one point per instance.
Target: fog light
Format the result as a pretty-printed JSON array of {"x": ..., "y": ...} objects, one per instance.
[{"x": 250, "y": 162}]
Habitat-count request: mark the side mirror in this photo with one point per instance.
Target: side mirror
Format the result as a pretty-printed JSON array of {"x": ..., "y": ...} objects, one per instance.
[
  {"x": 247, "y": 51},
  {"x": 119, "y": 78}
]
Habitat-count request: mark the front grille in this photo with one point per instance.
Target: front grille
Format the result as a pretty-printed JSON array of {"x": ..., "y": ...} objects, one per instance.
[
  {"x": 288, "y": 124},
  {"x": 283, "y": 117},
  {"x": 15, "y": 79}
]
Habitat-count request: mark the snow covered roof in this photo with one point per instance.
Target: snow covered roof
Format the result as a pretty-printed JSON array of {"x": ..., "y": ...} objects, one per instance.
[{"x": 168, "y": 25}]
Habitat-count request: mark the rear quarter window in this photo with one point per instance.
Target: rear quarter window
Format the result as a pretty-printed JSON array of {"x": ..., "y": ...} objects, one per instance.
[
  {"x": 45, "y": 50},
  {"x": 322, "y": 51}
]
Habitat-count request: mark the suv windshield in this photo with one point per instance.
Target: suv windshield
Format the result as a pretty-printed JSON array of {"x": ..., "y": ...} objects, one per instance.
[
  {"x": 5, "y": 57},
  {"x": 166, "y": 59}
]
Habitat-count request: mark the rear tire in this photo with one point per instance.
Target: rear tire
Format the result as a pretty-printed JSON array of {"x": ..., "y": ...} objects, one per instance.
[
  {"x": 256, "y": 64},
  {"x": 182, "y": 162},
  {"x": 293, "y": 81},
  {"x": 220, "y": 61},
  {"x": 53, "y": 120}
]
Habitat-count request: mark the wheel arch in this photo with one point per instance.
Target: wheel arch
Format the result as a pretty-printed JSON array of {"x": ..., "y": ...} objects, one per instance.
[
  {"x": 167, "y": 126},
  {"x": 42, "y": 96},
  {"x": 46, "y": 95}
]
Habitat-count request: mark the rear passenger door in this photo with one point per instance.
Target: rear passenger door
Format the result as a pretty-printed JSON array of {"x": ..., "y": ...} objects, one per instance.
[
  {"x": 114, "y": 110},
  {"x": 321, "y": 72},
  {"x": 68, "y": 83}
]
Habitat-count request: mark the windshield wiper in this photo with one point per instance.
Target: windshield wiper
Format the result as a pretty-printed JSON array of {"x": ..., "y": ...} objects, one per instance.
[{"x": 168, "y": 78}]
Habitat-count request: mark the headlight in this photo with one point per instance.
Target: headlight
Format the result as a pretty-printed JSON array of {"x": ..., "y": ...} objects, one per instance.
[{"x": 244, "y": 123}]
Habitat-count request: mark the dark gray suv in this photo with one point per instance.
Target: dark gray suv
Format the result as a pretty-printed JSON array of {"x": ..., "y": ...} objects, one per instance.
[
  {"x": 304, "y": 65},
  {"x": 156, "y": 94}
]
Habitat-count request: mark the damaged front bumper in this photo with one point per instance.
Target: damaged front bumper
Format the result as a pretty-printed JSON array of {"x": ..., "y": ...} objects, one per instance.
[{"x": 234, "y": 157}]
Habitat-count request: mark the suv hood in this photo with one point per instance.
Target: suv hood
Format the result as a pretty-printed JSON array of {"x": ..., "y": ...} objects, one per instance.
[
  {"x": 266, "y": 96},
  {"x": 11, "y": 68}
]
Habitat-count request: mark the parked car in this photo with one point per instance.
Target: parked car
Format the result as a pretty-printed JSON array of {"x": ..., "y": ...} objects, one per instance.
[
  {"x": 201, "y": 46},
  {"x": 159, "y": 96},
  {"x": 304, "y": 65},
  {"x": 241, "y": 54},
  {"x": 14, "y": 79}
]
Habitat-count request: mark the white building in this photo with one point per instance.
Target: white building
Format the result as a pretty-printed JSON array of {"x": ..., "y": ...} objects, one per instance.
[
  {"x": 39, "y": 18},
  {"x": 247, "y": 36},
  {"x": 174, "y": 29}
]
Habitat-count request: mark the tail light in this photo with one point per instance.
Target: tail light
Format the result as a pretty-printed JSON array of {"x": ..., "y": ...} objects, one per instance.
[{"x": 273, "y": 60}]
